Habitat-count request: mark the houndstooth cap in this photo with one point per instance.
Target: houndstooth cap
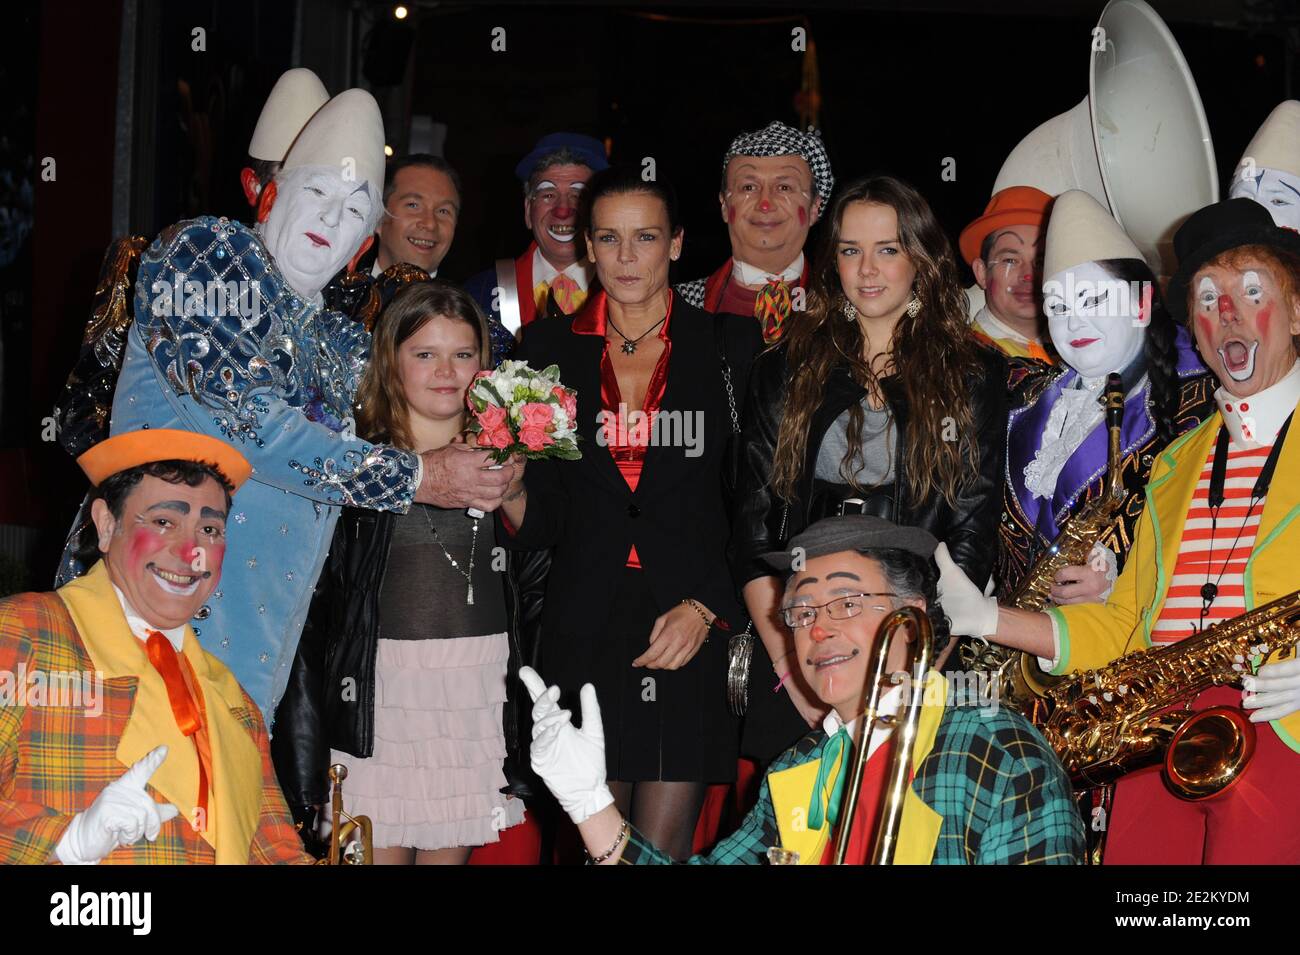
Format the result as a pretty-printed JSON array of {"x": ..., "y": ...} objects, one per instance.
[{"x": 778, "y": 139}]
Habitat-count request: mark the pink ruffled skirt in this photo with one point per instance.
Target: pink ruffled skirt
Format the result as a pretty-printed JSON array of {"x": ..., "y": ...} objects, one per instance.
[{"x": 433, "y": 780}]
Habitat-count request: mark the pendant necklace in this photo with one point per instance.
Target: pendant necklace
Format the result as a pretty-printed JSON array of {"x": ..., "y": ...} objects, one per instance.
[
  {"x": 469, "y": 576},
  {"x": 1218, "y": 477},
  {"x": 629, "y": 344}
]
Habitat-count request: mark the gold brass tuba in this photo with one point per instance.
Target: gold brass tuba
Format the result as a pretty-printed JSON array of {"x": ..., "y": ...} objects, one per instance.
[
  {"x": 919, "y": 659},
  {"x": 344, "y": 827},
  {"x": 1127, "y": 715},
  {"x": 1020, "y": 680}
]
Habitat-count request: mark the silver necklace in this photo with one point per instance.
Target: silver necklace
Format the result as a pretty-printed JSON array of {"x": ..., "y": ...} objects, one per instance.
[
  {"x": 629, "y": 344},
  {"x": 469, "y": 576}
]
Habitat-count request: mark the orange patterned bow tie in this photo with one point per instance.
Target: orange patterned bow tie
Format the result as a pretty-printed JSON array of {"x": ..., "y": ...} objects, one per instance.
[
  {"x": 772, "y": 307},
  {"x": 566, "y": 292}
]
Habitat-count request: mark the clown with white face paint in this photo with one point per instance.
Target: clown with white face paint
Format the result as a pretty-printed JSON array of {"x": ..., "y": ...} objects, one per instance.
[
  {"x": 276, "y": 374},
  {"x": 1217, "y": 539},
  {"x": 1105, "y": 315},
  {"x": 1269, "y": 170}
]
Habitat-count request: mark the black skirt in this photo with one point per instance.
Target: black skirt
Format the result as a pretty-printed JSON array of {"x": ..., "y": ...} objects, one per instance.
[{"x": 670, "y": 725}]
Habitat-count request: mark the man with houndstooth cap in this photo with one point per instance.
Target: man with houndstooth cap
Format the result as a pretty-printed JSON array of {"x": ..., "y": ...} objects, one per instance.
[{"x": 775, "y": 184}]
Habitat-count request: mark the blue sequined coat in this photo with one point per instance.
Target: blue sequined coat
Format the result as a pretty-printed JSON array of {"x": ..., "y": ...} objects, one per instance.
[{"x": 254, "y": 364}]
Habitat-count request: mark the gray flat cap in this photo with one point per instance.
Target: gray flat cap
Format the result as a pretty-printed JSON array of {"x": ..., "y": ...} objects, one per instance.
[{"x": 856, "y": 532}]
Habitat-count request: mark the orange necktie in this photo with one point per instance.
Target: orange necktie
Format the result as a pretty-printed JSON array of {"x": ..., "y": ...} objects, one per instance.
[{"x": 187, "y": 713}]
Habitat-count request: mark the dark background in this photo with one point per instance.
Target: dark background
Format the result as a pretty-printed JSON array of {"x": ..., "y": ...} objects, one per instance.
[{"x": 145, "y": 130}]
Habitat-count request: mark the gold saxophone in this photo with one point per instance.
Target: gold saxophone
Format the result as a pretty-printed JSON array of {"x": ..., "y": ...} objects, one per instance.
[
  {"x": 1126, "y": 716},
  {"x": 1020, "y": 682}
]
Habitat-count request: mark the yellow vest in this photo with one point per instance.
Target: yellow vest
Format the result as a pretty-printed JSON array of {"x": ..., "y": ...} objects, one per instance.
[{"x": 236, "y": 799}]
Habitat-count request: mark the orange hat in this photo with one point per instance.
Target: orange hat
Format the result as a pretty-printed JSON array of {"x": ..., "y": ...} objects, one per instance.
[
  {"x": 134, "y": 448},
  {"x": 1015, "y": 205}
]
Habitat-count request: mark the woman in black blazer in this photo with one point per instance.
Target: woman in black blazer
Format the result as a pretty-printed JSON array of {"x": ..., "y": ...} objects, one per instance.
[
  {"x": 880, "y": 401},
  {"x": 640, "y": 598}
]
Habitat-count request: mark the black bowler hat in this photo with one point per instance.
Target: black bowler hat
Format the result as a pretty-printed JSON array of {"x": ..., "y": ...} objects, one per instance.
[
  {"x": 1215, "y": 229},
  {"x": 855, "y": 532}
]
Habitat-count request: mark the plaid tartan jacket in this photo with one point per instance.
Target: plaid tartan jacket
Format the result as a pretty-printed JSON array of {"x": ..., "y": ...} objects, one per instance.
[
  {"x": 54, "y": 760},
  {"x": 1003, "y": 797}
]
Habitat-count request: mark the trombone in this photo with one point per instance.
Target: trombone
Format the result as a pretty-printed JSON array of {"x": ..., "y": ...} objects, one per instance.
[{"x": 920, "y": 657}]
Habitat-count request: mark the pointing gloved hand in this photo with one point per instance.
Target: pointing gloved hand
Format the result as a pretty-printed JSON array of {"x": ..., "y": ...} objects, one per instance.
[
  {"x": 571, "y": 761},
  {"x": 1273, "y": 692},
  {"x": 121, "y": 814},
  {"x": 971, "y": 612}
]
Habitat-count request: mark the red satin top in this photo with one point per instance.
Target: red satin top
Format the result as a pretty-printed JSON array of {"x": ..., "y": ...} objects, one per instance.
[{"x": 626, "y": 440}]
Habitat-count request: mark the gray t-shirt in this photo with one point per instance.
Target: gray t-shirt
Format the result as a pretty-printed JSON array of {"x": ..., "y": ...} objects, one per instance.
[
  {"x": 879, "y": 445},
  {"x": 423, "y": 596}
]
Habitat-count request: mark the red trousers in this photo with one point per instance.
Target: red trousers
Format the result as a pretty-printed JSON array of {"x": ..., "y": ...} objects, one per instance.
[{"x": 1255, "y": 822}]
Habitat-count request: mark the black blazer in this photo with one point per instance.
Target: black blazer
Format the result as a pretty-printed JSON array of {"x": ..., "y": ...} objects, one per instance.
[
  {"x": 969, "y": 528},
  {"x": 677, "y": 517}
]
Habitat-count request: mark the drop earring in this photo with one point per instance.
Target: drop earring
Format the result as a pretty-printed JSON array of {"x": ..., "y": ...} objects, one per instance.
[
  {"x": 849, "y": 310},
  {"x": 914, "y": 307}
]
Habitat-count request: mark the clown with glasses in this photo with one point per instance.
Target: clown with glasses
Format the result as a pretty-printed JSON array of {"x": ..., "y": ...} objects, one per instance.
[
  {"x": 1104, "y": 314},
  {"x": 231, "y": 340}
]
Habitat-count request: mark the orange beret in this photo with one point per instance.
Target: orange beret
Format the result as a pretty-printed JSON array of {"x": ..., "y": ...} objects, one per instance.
[
  {"x": 129, "y": 450},
  {"x": 1015, "y": 205}
]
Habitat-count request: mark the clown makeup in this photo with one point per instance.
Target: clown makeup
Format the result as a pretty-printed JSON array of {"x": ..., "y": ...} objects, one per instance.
[
  {"x": 1096, "y": 322},
  {"x": 1243, "y": 325},
  {"x": 166, "y": 550},
  {"x": 768, "y": 206},
  {"x": 833, "y": 654},
  {"x": 317, "y": 224},
  {"x": 1276, "y": 191},
  {"x": 551, "y": 212},
  {"x": 1011, "y": 275}
]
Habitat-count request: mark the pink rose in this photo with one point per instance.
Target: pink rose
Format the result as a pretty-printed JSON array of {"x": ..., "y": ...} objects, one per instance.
[
  {"x": 568, "y": 401},
  {"x": 537, "y": 415},
  {"x": 494, "y": 438},
  {"x": 535, "y": 439},
  {"x": 491, "y": 417}
]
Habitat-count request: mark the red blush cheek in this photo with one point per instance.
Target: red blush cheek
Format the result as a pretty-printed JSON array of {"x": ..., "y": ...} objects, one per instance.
[
  {"x": 144, "y": 543},
  {"x": 1264, "y": 318}
]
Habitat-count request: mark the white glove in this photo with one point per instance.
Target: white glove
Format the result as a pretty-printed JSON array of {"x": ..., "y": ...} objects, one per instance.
[
  {"x": 121, "y": 814},
  {"x": 971, "y": 612},
  {"x": 571, "y": 761},
  {"x": 1273, "y": 692}
]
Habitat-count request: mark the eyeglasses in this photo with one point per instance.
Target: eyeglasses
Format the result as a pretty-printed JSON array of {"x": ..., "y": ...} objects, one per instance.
[{"x": 841, "y": 608}]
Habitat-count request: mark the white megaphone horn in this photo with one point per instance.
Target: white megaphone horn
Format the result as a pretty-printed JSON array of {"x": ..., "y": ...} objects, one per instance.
[{"x": 1138, "y": 143}]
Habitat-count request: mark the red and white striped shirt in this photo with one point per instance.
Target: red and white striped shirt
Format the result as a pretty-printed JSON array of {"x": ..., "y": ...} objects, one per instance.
[{"x": 1205, "y": 553}]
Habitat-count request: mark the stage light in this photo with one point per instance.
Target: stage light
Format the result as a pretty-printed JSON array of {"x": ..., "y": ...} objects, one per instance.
[
  {"x": 388, "y": 150},
  {"x": 400, "y": 12}
]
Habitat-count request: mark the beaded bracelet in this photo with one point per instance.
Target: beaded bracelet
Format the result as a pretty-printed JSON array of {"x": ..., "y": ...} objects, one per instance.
[
  {"x": 604, "y": 856},
  {"x": 698, "y": 608}
]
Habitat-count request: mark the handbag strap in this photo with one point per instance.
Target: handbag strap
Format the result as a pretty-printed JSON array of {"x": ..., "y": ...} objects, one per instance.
[{"x": 720, "y": 338}]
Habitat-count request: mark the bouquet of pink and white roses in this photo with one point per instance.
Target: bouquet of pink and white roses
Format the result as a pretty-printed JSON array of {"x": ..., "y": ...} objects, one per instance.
[{"x": 516, "y": 410}]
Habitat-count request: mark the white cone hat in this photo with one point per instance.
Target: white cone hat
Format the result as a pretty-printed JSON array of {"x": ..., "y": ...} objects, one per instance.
[
  {"x": 346, "y": 133},
  {"x": 296, "y": 96},
  {"x": 1277, "y": 142},
  {"x": 1079, "y": 229}
]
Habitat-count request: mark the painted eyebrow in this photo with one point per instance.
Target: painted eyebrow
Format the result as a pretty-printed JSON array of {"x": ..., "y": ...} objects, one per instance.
[
  {"x": 182, "y": 507},
  {"x": 844, "y": 573},
  {"x": 1289, "y": 186},
  {"x": 805, "y": 581},
  {"x": 213, "y": 512}
]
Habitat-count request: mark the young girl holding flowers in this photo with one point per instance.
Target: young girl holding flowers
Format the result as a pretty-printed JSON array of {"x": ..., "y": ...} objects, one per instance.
[{"x": 401, "y": 672}]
